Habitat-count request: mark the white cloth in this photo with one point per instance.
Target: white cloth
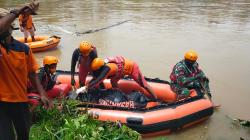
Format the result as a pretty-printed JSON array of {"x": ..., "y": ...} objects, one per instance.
[{"x": 81, "y": 90}]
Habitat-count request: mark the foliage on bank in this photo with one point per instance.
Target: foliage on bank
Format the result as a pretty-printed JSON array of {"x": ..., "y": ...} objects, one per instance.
[
  {"x": 244, "y": 123},
  {"x": 71, "y": 124}
]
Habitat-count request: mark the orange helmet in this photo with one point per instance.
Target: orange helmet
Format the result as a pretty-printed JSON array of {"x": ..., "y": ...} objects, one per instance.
[
  {"x": 85, "y": 48},
  {"x": 97, "y": 63},
  {"x": 48, "y": 60},
  {"x": 191, "y": 55}
]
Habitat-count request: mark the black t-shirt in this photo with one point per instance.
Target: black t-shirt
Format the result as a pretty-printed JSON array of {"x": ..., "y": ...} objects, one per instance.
[
  {"x": 47, "y": 79},
  {"x": 76, "y": 57}
]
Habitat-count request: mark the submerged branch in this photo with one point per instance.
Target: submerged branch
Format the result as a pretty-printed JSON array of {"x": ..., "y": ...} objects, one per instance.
[{"x": 96, "y": 30}]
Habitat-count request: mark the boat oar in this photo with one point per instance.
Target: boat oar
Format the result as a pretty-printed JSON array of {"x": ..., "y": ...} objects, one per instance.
[{"x": 205, "y": 90}]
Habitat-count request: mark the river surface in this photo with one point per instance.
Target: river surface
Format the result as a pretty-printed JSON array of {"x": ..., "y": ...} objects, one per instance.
[{"x": 156, "y": 36}]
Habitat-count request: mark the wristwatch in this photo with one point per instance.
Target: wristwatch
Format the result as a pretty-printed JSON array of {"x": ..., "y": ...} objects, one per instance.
[{"x": 14, "y": 12}]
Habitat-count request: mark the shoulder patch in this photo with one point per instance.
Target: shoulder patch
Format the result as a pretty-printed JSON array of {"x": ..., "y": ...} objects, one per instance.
[{"x": 19, "y": 47}]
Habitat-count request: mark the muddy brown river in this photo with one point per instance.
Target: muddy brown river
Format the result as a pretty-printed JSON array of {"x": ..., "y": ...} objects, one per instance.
[{"x": 156, "y": 36}]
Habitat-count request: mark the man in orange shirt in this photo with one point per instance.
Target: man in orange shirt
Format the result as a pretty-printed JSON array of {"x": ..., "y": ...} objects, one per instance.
[
  {"x": 16, "y": 64},
  {"x": 27, "y": 26}
]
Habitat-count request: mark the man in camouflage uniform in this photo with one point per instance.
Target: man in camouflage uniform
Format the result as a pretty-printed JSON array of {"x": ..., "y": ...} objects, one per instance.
[{"x": 186, "y": 75}]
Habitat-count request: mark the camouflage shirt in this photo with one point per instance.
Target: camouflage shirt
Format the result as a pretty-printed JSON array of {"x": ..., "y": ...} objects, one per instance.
[{"x": 180, "y": 72}]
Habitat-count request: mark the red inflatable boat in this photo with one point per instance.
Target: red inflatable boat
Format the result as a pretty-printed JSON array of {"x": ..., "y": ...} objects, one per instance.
[
  {"x": 171, "y": 115},
  {"x": 64, "y": 89}
]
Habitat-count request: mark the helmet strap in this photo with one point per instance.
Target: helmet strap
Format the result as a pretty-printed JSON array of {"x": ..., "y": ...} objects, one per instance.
[
  {"x": 189, "y": 64},
  {"x": 46, "y": 67}
]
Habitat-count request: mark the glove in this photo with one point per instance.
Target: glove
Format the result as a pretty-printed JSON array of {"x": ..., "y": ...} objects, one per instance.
[
  {"x": 73, "y": 82},
  {"x": 185, "y": 92},
  {"x": 81, "y": 90}
]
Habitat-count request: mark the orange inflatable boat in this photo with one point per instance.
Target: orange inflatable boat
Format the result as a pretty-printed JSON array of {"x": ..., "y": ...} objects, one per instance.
[
  {"x": 42, "y": 43},
  {"x": 155, "y": 118}
]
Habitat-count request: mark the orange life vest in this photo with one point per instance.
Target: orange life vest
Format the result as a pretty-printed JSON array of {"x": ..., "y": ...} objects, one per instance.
[{"x": 122, "y": 66}]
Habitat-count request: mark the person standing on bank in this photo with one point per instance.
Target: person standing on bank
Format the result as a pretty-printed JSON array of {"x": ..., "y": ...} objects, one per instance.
[
  {"x": 17, "y": 62},
  {"x": 84, "y": 55},
  {"x": 187, "y": 75}
]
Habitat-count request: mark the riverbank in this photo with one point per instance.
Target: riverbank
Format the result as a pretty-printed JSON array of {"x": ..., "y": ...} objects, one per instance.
[{"x": 70, "y": 124}]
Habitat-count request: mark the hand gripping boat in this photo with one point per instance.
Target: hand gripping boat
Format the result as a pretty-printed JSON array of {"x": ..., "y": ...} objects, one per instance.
[
  {"x": 171, "y": 115},
  {"x": 42, "y": 43},
  {"x": 64, "y": 89}
]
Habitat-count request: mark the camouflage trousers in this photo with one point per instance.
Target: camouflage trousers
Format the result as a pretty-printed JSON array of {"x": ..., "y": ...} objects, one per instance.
[{"x": 199, "y": 86}]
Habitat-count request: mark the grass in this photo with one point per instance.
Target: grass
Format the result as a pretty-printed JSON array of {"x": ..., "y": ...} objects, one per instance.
[{"x": 70, "y": 124}]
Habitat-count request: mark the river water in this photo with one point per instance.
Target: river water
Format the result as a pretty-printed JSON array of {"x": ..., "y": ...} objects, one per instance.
[{"x": 156, "y": 36}]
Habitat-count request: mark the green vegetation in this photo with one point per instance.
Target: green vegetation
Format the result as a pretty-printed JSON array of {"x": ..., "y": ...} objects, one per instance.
[
  {"x": 245, "y": 123},
  {"x": 241, "y": 122},
  {"x": 70, "y": 124}
]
